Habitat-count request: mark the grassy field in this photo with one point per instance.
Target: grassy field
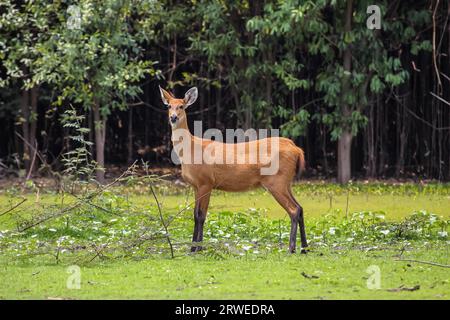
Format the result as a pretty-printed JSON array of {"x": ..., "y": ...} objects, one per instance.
[
  {"x": 340, "y": 275},
  {"x": 350, "y": 230}
]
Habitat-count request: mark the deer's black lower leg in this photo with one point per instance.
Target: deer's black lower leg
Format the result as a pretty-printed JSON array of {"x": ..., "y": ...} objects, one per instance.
[
  {"x": 293, "y": 236},
  {"x": 196, "y": 229},
  {"x": 199, "y": 219},
  {"x": 201, "y": 223},
  {"x": 301, "y": 224}
]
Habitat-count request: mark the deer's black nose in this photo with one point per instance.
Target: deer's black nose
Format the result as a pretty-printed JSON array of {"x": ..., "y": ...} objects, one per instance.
[{"x": 173, "y": 118}]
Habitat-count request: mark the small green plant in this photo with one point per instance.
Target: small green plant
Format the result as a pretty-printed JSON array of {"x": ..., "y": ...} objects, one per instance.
[{"x": 78, "y": 163}]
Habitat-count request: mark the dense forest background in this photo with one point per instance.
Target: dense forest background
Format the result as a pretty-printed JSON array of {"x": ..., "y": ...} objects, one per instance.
[{"x": 361, "y": 102}]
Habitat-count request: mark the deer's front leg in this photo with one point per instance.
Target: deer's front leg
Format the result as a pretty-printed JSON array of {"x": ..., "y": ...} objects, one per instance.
[{"x": 200, "y": 211}]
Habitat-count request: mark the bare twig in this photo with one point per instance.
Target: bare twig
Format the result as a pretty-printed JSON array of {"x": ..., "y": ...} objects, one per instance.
[
  {"x": 403, "y": 288},
  {"x": 162, "y": 221},
  {"x": 425, "y": 262},
  {"x": 80, "y": 202},
  {"x": 89, "y": 202},
  {"x": 30, "y": 170},
  {"x": 99, "y": 252},
  {"x": 346, "y": 207},
  {"x": 28, "y": 144},
  {"x": 440, "y": 98},
  {"x": 425, "y": 121},
  {"x": 435, "y": 64},
  {"x": 14, "y": 207}
]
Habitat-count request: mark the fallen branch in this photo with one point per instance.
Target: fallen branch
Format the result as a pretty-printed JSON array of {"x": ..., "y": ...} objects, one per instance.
[
  {"x": 308, "y": 276},
  {"x": 425, "y": 262},
  {"x": 440, "y": 98},
  {"x": 30, "y": 171},
  {"x": 403, "y": 288},
  {"x": 162, "y": 221},
  {"x": 80, "y": 202},
  {"x": 14, "y": 207}
]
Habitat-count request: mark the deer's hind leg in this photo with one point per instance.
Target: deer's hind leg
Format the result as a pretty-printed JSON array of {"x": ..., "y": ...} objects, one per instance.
[
  {"x": 301, "y": 223},
  {"x": 285, "y": 199}
]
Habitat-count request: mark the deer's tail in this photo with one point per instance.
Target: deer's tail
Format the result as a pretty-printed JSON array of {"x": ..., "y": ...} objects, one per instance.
[{"x": 300, "y": 162}]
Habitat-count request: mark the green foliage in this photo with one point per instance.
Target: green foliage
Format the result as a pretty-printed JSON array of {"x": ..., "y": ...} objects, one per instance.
[
  {"x": 110, "y": 221},
  {"x": 100, "y": 62},
  {"x": 77, "y": 163}
]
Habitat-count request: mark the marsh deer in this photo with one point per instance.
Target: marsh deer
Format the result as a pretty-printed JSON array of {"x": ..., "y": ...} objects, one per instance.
[{"x": 234, "y": 175}]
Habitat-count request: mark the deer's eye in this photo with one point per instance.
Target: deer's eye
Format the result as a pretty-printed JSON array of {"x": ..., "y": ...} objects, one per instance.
[{"x": 181, "y": 107}]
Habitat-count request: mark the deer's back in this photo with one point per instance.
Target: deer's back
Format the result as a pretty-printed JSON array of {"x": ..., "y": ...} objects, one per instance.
[{"x": 235, "y": 176}]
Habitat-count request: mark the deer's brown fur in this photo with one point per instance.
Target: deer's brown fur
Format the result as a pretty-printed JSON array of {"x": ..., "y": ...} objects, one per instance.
[{"x": 237, "y": 177}]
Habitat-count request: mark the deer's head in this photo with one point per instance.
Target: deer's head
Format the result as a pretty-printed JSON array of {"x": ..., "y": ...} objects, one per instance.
[{"x": 176, "y": 107}]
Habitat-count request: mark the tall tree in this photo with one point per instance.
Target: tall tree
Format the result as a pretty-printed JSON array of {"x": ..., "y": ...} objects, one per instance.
[
  {"x": 94, "y": 58},
  {"x": 21, "y": 30}
]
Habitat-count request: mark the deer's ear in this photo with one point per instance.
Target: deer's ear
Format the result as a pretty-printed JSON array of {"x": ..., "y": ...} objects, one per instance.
[
  {"x": 190, "y": 96},
  {"x": 165, "y": 96}
]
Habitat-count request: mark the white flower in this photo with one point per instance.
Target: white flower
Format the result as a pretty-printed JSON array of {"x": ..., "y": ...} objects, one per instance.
[
  {"x": 52, "y": 230},
  {"x": 332, "y": 231},
  {"x": 246, "y": 248},
  {"x": 385, "y": 232},
  {"x": 443, "y": 234}
]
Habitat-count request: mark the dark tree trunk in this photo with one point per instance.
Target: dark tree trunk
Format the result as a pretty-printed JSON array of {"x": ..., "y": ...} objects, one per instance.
[
  {"x": 28, "y": 105},
  {"x": 33, "y": 126},
  {"x": 25, "y": 108},
  {"x": 130, "y": 136}
]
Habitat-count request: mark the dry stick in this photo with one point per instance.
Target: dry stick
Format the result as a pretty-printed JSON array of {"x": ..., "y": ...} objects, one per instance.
[
  {"x": 425, "y": 262},
  {"x": 425, "y": 121},
  {"x": 445, "y": 76},
  {"x": 99, "y": 252},
  {"x": 79, "y": 203},
  {"x": 346, "y": 209},
  {"x": 162, "y": 220},
  {"x": 331, "y": 200},
  {"x": 29, "y": 144},
  {"x": 93, "y": 204},
  {"x": 11, "y": 209},
  {"x": 439, "y": 98},
  {"x": 38, "y": 154},
  {"x": 435, "y": 65},
  {"x": 168, "y": 222},
  {"x": 32, "y": 162},
  {"x": 56, "y": 215}
]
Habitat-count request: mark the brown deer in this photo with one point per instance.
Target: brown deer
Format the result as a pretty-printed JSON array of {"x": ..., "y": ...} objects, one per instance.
[{"x": 236, "y": 177}]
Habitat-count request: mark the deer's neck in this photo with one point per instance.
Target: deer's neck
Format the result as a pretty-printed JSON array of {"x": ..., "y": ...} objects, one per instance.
[{"x": 181, "y": 132}]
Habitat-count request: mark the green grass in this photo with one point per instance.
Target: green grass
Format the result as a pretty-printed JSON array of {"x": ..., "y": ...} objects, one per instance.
[
  {"x": 341, "y": 275},
  {"x": 246, "y": 248},
  {"x": 395, "y": 206},
  {"x": 317, "y": 199}
]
